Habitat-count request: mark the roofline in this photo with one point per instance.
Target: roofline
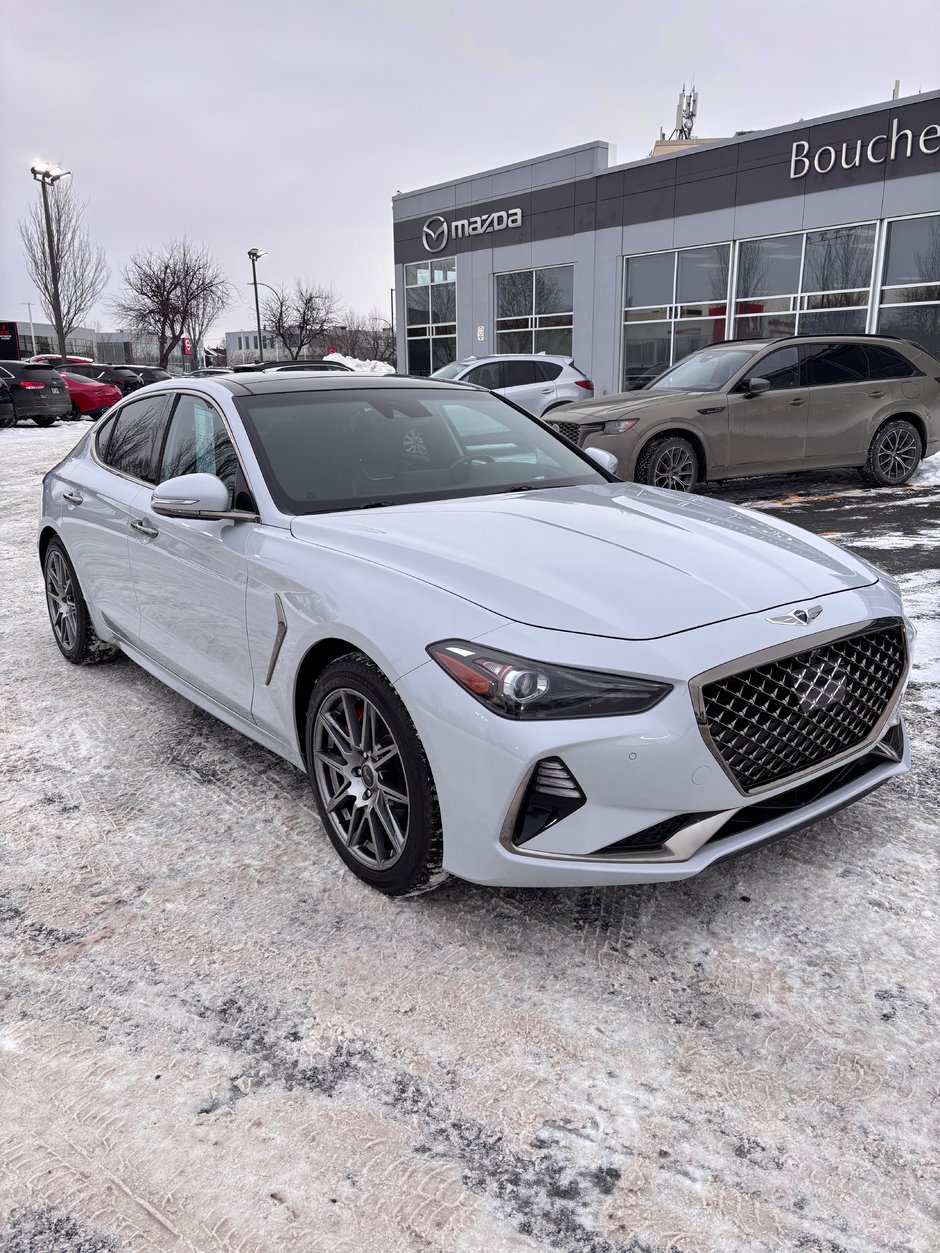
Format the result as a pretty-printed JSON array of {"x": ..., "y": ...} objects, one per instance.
[{"x": 677, "y": 156}]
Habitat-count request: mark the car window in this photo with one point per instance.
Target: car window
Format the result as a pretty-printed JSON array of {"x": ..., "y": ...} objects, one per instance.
[
  {"x": 828, "y": 364},
  {"x": 705, "y": 371},
  {"x": 198, "y": 443},
  {"x": 133, "y": 438},
  {"x": 484, "y": 375},
  {"x": 885, "y": 363},
  {"x": 547, "y": 371},
  {"x": 780, "y": 368},
  {"x": 518, "y": 373}
]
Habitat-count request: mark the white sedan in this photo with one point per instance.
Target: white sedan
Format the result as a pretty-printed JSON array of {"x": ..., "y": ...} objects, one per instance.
[{"x": 492, "y": 657}]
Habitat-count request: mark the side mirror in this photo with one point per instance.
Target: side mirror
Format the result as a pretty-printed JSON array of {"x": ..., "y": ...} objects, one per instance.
[
  {"x": 606, "y": 460},
  {"x": 756, "y": 386},
  {"x": 192, "y": 496}
]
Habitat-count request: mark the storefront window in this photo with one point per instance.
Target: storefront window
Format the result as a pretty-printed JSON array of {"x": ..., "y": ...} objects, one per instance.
[
  {"x": 431, "y": 314},
  {"x": 673, "y": 303},
  {"x": 535, "y": 310},
  {"x": 910, "y": 292}
]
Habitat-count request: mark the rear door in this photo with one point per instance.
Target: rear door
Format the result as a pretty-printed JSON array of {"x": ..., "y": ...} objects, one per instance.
[
  {"x": 767, "y": 433},
  {"x": 842, "y": 403},
  {"x": 523, "y": 383}
]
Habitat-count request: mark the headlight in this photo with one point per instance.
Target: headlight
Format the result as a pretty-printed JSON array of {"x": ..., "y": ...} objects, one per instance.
[
  {"x": 619, "y": 426},
  {"x": 515, "y": 687}
]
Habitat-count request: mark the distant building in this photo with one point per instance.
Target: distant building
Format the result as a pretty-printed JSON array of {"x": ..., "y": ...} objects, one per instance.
[{"x": 108, "y": 347}]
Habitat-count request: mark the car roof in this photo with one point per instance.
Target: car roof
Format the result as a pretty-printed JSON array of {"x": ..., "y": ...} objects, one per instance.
[
  {"x": 298, "y": 381},
  {"x": 517, "y": 356}
]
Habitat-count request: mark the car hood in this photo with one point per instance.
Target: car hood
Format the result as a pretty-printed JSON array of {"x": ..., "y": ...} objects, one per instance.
[
  {"x": 615, "y": 559},
  {"x": 608, "y": 407}
]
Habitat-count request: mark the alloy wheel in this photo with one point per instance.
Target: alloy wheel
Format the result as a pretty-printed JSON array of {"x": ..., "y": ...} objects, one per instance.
[
  {"x": 360, "y": 775},
  {"x": 60, "y": 595},
  {"x": 674, "y": 469},
  {"x": 898, "y": 453}
]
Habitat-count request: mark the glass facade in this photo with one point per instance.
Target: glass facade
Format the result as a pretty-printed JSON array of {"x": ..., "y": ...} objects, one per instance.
[
  {"x": 674, "y": 303},
  {"x": 910, "y": 282},
  {"x": 431, "y": 314},
  {"x": 535, "y": 310}
]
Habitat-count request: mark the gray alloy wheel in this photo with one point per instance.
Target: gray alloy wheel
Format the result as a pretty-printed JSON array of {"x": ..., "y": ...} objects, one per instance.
[
  {"x": 894, "y": 454},
  {"x": 371, "y": 779},
  {"x": 68, "y": 613},
  {"x": 670, "y": 463}
]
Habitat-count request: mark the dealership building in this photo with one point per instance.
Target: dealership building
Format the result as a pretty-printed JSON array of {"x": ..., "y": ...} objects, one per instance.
[{"x": 825, "y": 226}]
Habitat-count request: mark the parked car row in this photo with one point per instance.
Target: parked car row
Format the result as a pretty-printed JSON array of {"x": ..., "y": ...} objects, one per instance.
[{"x": 45, "y": 388}]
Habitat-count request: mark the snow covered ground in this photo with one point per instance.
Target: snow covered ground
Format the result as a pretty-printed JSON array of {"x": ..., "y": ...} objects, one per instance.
[{"x": 214, "y": 1038}]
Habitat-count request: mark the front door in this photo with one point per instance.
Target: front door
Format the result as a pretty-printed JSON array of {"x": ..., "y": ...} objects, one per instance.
[
  {"x": 767, "y": 432},
  {"x": 191, "y": 575}
]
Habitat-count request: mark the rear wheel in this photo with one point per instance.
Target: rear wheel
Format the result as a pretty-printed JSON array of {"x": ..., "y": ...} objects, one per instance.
[
  {"x": 44, "y": 419},
  {"x": 670, "y": 462},
  {"x": 894, "y": 454},
  {"x": 371, "y": 780},
  {"x": 68, "y": 611},
  {"x": 76, "y": 412}
]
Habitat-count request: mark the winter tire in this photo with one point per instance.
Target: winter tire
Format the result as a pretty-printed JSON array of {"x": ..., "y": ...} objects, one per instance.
[
  {"x": 68, "y": 612},
  {"x": 371, "y": 779},
  {"x": 894, "y": 454},
  {"x": 47, "y": 420},
  {"x": 670, "y": 462}
]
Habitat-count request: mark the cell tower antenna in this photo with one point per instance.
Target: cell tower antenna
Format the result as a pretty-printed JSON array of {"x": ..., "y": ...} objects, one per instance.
[{"x": 686, "y": 111}]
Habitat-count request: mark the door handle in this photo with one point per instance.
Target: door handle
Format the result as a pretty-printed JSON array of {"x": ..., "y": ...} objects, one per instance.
[
  {"x": 144, "y": 528},
  {"x": 547, "y": 391},
  {"x": 876, "y": 393},
  {"x": 797, "y": 401},
  {"x": 74, "y": 498}
]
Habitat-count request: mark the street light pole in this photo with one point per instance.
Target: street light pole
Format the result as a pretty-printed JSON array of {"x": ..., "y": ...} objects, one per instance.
[
  {"x": 47, "y": 176},
  {"x": 256, "y": 254},
  {"x": 32, "y": 329}
]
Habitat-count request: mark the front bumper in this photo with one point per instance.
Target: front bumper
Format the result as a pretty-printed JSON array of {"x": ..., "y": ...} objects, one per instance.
[{"x": 636, "y": 773}]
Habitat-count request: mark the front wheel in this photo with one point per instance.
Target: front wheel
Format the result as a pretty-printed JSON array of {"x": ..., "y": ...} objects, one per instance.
[
  {"x": 670, "y": 462},
  {"x": 894, "y": 454},
  {"x": 68, "y": 612},
  {"x": 371, "y": 780}
]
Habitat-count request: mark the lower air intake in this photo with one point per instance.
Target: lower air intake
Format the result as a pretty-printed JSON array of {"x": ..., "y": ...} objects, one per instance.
[{"x": 553, "y": 793}]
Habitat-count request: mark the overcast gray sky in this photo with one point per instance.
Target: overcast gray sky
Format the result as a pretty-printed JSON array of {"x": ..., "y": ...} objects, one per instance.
[{"x": 289, "y": 124}]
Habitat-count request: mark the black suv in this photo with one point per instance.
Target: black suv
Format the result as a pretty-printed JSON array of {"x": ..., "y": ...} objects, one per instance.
[{"x": 37, "y": 391}]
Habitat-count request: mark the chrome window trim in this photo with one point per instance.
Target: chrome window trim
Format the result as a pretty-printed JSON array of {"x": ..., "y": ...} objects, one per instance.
[{"x": 776, "y": 653}]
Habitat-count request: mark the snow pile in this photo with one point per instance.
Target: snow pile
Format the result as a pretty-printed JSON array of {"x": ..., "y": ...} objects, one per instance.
[
  {"x": 929, "y": 473},
  {"x": 361, "y": 367}
]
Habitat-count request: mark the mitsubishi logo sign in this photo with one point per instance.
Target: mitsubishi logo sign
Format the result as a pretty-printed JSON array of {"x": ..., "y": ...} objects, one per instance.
[{"x": 435, "y": 233}]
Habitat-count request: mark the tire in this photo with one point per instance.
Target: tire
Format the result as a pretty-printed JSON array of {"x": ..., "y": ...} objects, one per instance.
[
  {"x": 894, "y": 454},
  {"x": 71, "y": 626},
  {"x": 356, "y": 794},
  {"x": 669, "y": 462},
  {"x": 45, "y": 420},
  {"x": 75, "y": 414}
]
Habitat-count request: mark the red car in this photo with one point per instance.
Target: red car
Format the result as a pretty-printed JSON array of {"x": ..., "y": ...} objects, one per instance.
[{"x": 89, "y": 398}]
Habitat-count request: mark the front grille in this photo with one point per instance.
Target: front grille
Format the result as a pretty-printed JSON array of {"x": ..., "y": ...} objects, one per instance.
[
  {"x": 577, "y": 432},
  {"x": 785, "y": 716}
]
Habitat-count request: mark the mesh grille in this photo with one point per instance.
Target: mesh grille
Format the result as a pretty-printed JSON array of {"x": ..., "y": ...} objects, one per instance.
[
  {"x": 577, "y": 432},
  {"x": 777, "y": 719}
]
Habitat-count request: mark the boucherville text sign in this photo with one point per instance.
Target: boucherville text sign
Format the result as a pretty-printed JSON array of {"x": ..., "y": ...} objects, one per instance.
[{"x": 900, "y": 143}]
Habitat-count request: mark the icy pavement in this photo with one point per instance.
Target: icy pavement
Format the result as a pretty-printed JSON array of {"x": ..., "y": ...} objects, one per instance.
[{"x": 215, "y": 1038}]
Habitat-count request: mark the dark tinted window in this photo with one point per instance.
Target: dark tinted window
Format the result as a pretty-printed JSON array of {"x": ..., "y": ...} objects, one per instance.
[
  {"x": 547, "y": 371},
  {"x": 884, "y": 363},
  {"x": 133, "y": 437},
  {"x": 782, "y": 368},
  {"x": 486, "y": 375},
  {"x": 518, "y": 373},
  {"x": 198, "y": 443},
  {"x": 828, "y": 364}
]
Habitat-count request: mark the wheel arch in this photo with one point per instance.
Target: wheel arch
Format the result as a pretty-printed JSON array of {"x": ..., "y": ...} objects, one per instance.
[
  {"x": 314, "y": 661},
  {"x": 46, "y": 536},
  {"x": 916, "y": 420},
  {"x": 679, "y": 432}
]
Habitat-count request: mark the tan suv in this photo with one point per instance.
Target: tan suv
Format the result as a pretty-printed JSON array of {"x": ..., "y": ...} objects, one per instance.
[{"x": 768, "y": 406}]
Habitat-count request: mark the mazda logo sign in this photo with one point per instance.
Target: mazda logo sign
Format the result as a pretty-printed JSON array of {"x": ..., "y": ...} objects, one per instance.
[{"x": 434, "y": 234}]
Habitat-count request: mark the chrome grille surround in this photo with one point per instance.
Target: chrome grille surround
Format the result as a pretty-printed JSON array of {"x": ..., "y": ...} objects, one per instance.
[{"x": 779, "y": 715}]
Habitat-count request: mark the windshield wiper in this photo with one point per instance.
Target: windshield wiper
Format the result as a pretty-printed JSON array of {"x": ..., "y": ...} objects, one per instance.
[{"x": 376, "y": 504}]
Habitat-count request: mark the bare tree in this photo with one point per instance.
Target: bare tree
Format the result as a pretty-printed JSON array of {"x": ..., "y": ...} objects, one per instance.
[
  {"x": 167, "y": 289},
  {"x": 83, "y": 272},
  {"x": 369, "y": 338},
  {"x": 205, "y": 308},
  {"x": 301, "y": 315}
]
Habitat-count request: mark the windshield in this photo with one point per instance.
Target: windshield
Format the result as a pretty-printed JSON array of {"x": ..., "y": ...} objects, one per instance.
[
  {"x": 322, "y": 451},
  {"x": 705, "y": 371},
  {"x": 450, "y": 371}
]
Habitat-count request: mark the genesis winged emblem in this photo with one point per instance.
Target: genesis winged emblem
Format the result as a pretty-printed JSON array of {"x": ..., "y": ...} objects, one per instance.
[{"x": 802, "y": 616}]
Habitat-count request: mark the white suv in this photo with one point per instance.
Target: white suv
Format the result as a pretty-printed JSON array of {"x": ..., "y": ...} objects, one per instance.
[{"x": 535, "y": 383}]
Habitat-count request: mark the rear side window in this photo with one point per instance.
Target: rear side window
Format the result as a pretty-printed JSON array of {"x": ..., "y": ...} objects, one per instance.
[
  {"x": 885, "y": 363},
  {"x": 518, "y": 373},
  {"x": 198, "y": 443},
  {"x": 133, "y": 438},
  {"x": 547, "y": 371},
  {"x": 829, "y": 364}
]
